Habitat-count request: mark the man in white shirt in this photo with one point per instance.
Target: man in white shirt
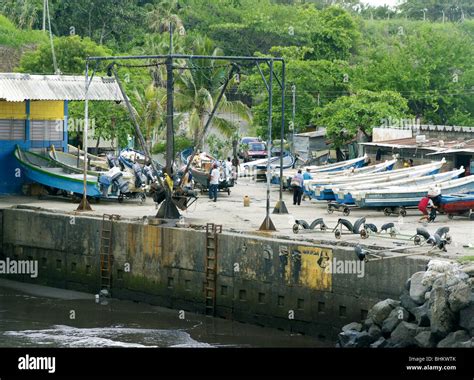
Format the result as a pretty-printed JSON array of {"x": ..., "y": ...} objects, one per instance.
[{"x": 214, "y": 183}]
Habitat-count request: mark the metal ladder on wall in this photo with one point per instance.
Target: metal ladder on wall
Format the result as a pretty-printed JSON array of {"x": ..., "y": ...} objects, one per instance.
[
  {"x": 210, "y": 285},
  {"x": 106, "y": 257}
]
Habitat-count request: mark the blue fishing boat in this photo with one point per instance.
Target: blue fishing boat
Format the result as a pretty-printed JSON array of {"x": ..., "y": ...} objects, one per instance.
[
  {"x": 409, "y": 196},
  {"x": 322, "y": 188},
  {"x": 343, "y": 195},
  {"x": 43, "y": 170},
  {"x": 457, "y": 204}
]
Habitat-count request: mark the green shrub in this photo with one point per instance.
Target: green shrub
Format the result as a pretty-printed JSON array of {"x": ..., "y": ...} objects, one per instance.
[{"x": 180, "y": 143}]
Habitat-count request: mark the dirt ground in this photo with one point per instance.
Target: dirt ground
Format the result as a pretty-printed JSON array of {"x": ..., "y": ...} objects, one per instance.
[{"x": 229, "y": 211}]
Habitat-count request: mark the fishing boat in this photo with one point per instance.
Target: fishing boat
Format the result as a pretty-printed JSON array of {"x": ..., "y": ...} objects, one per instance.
[
  {"x": 71, "y": 162},
  {"x": 338, "y": 166},
  {"x": 261, "y": 170},
  {"x": 185, "y": 154},
  {"x": 43, "y": 170},
  {"x": 250, "y": 166},
  {"x": 201, "y": 179},
  {"x": 343, "y": 194},
  {"x": 409, "y": 196},
  {"x": 99, "y": 162},
  {"x": 350, "y": 172},
  {"x": 457, "y": 204},
  {"x": 322, "y": 188}
]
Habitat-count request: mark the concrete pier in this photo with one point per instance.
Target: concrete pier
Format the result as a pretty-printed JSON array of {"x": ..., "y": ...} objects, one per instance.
[{"x": 262, "y": 280}]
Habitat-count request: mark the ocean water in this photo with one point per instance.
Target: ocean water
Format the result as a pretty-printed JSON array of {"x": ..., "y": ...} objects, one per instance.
[{"x": 37, "y": 316}]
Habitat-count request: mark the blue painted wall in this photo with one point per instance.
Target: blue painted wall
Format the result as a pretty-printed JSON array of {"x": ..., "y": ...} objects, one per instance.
[{"x": 11, "y": 178}]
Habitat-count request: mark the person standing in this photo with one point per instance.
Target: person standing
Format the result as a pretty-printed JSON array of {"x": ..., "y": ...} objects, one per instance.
[
  {"x": 214, "y": 182},
  {"x": 297, "y": 184},
  {"x": 306, "y": 176},
  {"x": 228, "y": 169},
  {"x": 235, "y": 166}
]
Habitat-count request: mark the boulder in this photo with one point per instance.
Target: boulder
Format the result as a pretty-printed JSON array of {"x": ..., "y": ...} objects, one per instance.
[
  {"x": 422, "y": 314},
  {"x": 454, "y": 339},
  {"x": 469, "y": 270},
  {"x": 379, "y": 343},
  {"x": 364, "y": 339},
  {"x": 352, "y": 338},
  {"x": 407, "y": 302},
  {"x": 375, "y": 331},
  {"x": 425, "y": 339},
  {"x": 467, "y": 344},
  {"x": 353, "y": 326},
  {"x": 382, "y": 310},
  {"x": 430, "y": 277},
  {"x": 367, "y": 323},
  {"x": 427, "y": 296},
  {"x": 456, "y": 278},
  {"x": 407, "y": 284},
  {"x": 347, "y": 338},
  {"x": 404, "y": 335},
  {"x": 418, "y": 288},
  {"x": 466, "y": 318},
  {"x": 459, "y": 296},
  {"x": 396, "y": 316},
  {"x": 422, "y": 329},
  {"x": 442, "y": 318}
]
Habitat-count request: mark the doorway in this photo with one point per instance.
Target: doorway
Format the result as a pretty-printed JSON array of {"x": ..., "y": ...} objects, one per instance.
[{"x": 463, "y": 160}]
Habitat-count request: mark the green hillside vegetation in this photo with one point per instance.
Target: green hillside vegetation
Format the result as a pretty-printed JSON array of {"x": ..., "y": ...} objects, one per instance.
[
  {"x": 352, "y": 67},
  {"x": 14, "y": 37}
]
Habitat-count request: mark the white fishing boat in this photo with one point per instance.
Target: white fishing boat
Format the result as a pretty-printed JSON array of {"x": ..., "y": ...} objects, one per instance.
[
  {"x": 384, "y": 166},
  {"x": 343, "y": 194},
  {"x": 403, "y": 196},
  {"x": 321, "y": 188}
]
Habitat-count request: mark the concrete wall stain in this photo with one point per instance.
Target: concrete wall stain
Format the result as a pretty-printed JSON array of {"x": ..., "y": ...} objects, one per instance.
[
  {"x": 167, "y": 269},
  {"x": 314, "y": 261}
]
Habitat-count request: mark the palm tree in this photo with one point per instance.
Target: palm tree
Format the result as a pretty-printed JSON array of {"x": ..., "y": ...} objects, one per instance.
[
  {"x": 163, "y": 15},
  {"x": 197, "y": 88},
  {"x": 151, "y": 110}
]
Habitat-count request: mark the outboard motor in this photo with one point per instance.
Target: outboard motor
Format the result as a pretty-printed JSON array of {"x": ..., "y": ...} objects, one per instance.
[
  {"x": 105, "y": 182},
  {"x": 140, "y": 178},
  {"x": 148, "y": 172},
  {"x": 117, "y": 180},
  {"x": 111, "y": 161},
  {"x": 158, "y": 193}
]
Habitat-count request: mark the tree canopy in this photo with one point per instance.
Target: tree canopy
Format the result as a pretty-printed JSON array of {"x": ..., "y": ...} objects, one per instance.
[{"x": 342, "y": 57}]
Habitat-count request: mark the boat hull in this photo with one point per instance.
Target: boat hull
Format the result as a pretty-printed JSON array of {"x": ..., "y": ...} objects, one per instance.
[
  {"x": 456, "y": 204},
  {"x": 67, "y": 182},
  {"x": 407, "y": 199}
]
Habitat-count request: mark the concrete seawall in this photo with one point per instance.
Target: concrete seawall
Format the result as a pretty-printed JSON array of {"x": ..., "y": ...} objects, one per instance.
[{"x": 260, "y": 279}]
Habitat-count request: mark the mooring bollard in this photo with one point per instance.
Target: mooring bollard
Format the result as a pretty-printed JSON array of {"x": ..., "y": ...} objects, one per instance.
[{"x": 246, "y": 201}]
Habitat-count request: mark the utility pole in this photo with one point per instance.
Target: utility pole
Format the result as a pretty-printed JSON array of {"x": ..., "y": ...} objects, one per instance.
[
  {"x": 293, "y": 114},
  {"x": 84, "y": 205},
  {"x": 44, "y": 15},
  {"x": 169, "y": 108},
  {"x": 267, "y": 224}
]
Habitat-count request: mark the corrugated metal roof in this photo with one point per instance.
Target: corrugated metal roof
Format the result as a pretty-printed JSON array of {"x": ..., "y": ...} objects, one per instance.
[
  {"x": 16, "y": 87},
  {"x": 436, "y": 145},
  {"x": 319, "y": 133}
]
